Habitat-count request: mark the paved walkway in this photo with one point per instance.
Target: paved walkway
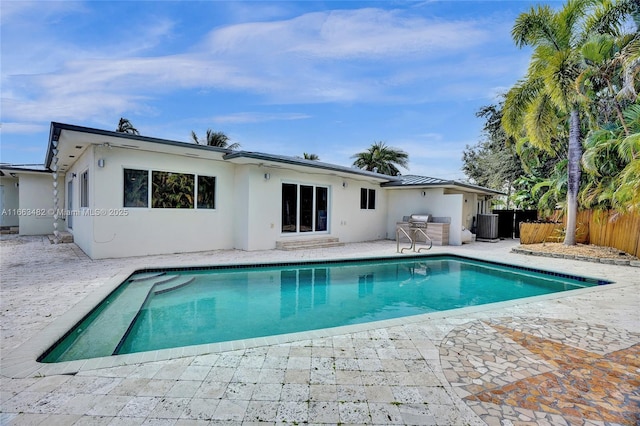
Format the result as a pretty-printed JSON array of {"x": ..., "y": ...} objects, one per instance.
[{"x": 559, "y": 360}]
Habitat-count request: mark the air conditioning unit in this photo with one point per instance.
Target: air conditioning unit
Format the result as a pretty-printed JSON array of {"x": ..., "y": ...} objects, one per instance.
[{"x": 487, "y": 229}]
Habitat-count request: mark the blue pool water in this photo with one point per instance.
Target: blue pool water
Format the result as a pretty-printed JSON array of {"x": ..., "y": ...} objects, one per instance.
[{"x": 164, "y": 309}]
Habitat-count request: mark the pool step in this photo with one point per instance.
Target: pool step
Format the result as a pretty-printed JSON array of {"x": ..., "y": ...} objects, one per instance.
[
  {"x": 106, "y": 331},
  {"x": 308, "y": 244},
  {"x": 147, "y": 276},
  {"x": 162, "y": 288}
]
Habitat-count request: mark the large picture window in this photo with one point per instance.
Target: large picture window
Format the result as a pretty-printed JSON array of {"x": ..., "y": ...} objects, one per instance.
[
  {"x": 172, "y": 190},
  {"x": 367, "y": 199},
  {"x": 304, "y": 208},
  {"x": 206, "y": 192},
  {"x": 136, "y": 188},
  {"x": 168, "y": 190}
]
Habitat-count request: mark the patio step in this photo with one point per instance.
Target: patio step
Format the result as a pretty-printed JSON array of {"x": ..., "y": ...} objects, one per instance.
[
  {"x": 309, "y": 243},
  {"x": 63, "y": 237}
]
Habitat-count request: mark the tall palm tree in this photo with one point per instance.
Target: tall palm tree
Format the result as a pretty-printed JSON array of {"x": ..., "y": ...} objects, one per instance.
[
  {"x": 382, "y": 159},
  {"x": 219, "y": 139},
  {"x": 125, "y": 126},
  {"x": 547, "y": 98}
]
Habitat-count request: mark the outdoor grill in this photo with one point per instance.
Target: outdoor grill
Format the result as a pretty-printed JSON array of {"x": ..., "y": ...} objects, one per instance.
[{"x": 419, "y": 220}]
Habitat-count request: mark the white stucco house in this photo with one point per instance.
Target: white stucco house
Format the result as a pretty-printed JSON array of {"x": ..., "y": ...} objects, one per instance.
[{"x": 129, "y": 195}]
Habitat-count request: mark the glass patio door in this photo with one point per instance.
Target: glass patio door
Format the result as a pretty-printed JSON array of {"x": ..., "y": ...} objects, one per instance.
[{"x": 304, "y": 208}]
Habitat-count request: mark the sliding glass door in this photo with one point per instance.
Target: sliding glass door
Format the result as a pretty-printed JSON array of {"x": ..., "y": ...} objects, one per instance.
[{"x": 304, "y": 208}]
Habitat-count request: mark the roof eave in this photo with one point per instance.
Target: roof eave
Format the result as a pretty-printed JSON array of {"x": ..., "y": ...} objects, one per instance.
[
  {"x": 444, "y": 184},
  {"x": 308, "y": 163},
  {"x": 9, "y": 168},
  {"x": 57, "y": 128}
]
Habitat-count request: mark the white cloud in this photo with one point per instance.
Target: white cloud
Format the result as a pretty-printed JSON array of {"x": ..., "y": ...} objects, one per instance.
[
  {"x": 343, "y": 34},
  {"x": 258, "y": 117},
  {"x": 22, "y": 128},
  {"x": 352, "y": 56}
]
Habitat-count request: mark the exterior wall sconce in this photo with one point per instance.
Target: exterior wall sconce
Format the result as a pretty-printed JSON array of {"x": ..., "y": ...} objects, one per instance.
[
  {"x": 73, "y": 175},
  {"x": 101, "y": 162},
  {"x": 345, "y": 184},
  {"x": 267, "y": 176},
  {"x": 423, "y": 193}
]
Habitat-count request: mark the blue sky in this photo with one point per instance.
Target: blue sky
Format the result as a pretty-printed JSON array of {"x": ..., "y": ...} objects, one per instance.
[{"x": 328, "y": 78}]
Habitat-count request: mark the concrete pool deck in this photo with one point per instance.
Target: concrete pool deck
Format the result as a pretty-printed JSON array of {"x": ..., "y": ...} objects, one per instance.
[{"x": 558, "y": 359}]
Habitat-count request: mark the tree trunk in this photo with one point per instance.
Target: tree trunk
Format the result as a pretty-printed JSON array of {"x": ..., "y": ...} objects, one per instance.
[{"x": 573, "y": 181}]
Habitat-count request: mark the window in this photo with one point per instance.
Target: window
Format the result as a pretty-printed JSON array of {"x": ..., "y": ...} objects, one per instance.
[
  {"x": 172, "y": 190},
  {"x": 367, "y": 199},
  {"x": 322, "y": 195},
  {"x": 168, "y": 190},
  {"x": 70, "y": 204},
  {"x": 304, "y": 208},
  {"x": 136, "y": 188},
  {"x": 84, "y": 189},
  {"x": 289, "y": 207},
  {"x": 206, "y": 192}
]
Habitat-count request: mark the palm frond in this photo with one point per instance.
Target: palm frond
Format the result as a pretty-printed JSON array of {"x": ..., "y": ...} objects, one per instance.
[
  {"x": 540, "y": 123},
  {"x": 516, "y": 103}
]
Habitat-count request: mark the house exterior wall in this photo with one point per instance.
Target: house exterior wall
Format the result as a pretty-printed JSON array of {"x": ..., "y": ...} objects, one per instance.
[
  {"x": 353, "y": 224},
  {"x": 248, "y": 198},
  {"x": 469, "y": 209},
  {"x": 259, "y": 210},
  {"x": 9, "y": 201},
  {"x": 433, "y": 201},
  {"x": 122, "y": 232},
  {"x": 80, "y": 221},
  {"x": 452, "y": 205},
  {"x": 36, "y": 193},
  {"x": 241, "y": 202}
]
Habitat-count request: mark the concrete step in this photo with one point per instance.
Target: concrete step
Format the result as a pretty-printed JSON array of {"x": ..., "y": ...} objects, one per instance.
[
  {"x": 63, "y": 237},
  {"x": 309, "y": 243}
]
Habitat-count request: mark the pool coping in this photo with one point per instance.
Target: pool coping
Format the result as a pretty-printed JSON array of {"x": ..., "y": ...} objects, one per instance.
[
  {"x": 22, "y": 362},
  {"x": 604, "y": 260}
]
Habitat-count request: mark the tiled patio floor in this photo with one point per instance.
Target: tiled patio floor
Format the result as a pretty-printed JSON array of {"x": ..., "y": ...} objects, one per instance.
[{"x": 558, "y": 360}]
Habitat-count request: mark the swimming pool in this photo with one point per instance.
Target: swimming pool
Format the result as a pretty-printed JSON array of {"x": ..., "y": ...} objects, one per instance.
[{"x": 158, "y": 309}]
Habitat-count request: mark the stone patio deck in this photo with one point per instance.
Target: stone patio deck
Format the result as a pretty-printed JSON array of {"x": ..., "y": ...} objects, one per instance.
[{"x": 553, "y": 360}]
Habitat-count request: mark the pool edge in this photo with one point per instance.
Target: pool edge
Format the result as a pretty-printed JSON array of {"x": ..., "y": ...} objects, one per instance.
[{"x": 22, "y": 361}]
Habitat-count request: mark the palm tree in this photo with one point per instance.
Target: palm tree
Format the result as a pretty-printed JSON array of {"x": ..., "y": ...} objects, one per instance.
[
  {"x": 547, "y": 98},
  {"x": 609, "y": 85},
  {"x": 382, "y": 159},
  {"x": 125, "y": 126},
  {"x": 612, "y": 161},
  {"x": 312, "y": 157},
  {"x": 608, "y": 60},
  {"x": 219, "y": 139}
]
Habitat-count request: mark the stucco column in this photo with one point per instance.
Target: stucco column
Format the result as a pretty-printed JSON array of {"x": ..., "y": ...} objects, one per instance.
[{"x": 54, "y": 168}]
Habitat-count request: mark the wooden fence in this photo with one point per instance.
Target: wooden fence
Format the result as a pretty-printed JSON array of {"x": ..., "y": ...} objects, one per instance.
[{"x": 601, "y": 228}]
